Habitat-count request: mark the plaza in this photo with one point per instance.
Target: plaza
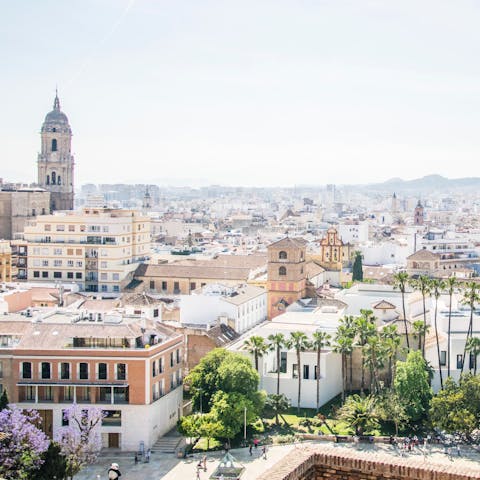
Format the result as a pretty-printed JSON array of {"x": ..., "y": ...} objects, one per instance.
[{"x": 281, "y": 459}]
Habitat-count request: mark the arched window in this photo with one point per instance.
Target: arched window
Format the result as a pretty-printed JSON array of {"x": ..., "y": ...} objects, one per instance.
[
  {"x": 48, "y": 179},
  {"x": 282, "y": 271},
  {"x": 54, "y": 178},
  {"x": 282, "y": 255},
  {"x": 54, "y": 129},
  {"x": 59, "y": 180},
  {"x": 54, "y": 145}
]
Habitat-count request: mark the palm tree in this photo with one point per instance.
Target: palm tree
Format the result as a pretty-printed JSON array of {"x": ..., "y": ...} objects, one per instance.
[
  {"x": 374, "y": 359},
  {"x": 320, "y": 340},
  {"x": 473, "y": 347},
  {"x": 360, "y": 413},
  {"x": 470, "y": 298},
  {"x": 422, "y": 284},
  {"x": 420, "y": 331},
  {"x": 343, "y": 346},
  {"x": 400, "y": 280},
  {"x": 347, "y": 324},
  {"x": 277, "y": 342},
  {"x": 299, "y": 341},
  {"x": 451, "y": 285},
  {"x": 437, "y": 287},
  {"x": 365, "y": 327},
  {"x": 277, "y": 404},
  {"x": 256, "y": 346},
  {"x": 392, "y": 341}
]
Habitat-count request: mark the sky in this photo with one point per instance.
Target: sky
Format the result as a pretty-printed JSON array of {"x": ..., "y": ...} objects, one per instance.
[{"x": 246, "y": 92}]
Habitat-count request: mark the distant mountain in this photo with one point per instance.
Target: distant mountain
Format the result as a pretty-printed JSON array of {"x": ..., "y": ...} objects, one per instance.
[{"x": 429, "y": 182}]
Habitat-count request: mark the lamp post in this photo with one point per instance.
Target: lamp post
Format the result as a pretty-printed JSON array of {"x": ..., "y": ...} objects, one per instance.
[{"x": 245, "y": 425}]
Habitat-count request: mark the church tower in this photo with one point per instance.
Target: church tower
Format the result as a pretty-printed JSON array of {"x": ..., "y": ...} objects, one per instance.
[
  {"x": 55, "y": 160},
  {"x": 419, "y": 214},
  {"x": 147, "y": 202}
]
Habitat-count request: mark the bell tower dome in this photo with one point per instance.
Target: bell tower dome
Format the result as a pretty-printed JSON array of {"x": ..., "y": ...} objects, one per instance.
[{"x": 55, "y": 160}]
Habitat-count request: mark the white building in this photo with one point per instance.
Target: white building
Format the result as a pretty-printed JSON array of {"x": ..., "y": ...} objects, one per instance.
[
  {"x": 96, "y": 248},
  {"x": 242, "y": 307},
  {"x": 330, "y": 363},
  {"x": 353, "y": 232}
]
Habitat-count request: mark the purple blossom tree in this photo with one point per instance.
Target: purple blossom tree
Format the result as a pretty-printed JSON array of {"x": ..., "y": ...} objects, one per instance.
[
  {"x": 23, "y": 443},
  {"x": 81, "y": 440}
]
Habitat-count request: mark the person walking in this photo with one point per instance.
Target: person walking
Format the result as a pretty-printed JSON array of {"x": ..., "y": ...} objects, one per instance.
[
  {"x": 114, "y": 472},
  {"x": 136, "y": 459},
  {"x": 264, "y": 452},
  {"x": 250, "y": 449},
  {"x": 255, "y": 443}
]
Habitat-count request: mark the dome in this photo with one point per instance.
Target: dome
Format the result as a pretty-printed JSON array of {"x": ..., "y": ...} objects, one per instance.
[{"x": 56, "y": 117}]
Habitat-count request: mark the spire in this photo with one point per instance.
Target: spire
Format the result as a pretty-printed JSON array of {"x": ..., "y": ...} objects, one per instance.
[{"x": 56, "y": 102}]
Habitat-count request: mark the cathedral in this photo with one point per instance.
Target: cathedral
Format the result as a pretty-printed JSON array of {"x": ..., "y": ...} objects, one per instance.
[{"x": 55, "y": 160}]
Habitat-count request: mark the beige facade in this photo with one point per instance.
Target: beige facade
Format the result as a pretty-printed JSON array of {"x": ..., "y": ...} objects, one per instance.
[
  {"x": 97, "y": 248},
  {"x": 17, "y": 207},
  {"x": 5, "y": 262}
]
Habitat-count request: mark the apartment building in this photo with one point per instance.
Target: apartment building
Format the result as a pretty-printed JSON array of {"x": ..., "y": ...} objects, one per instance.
[
  {"x": 96, "y": 248},
  {"x": 5, "y": 261},
  {"x": 129, "y": 365}
]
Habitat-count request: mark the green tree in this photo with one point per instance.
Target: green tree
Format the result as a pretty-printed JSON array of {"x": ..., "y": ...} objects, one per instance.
[
  {"x": 422, "y": 284},
  {"x": 210, "y": 427},
  {"x": 470, "y": 298},
  {"x": 374, "y": 359},
  {"x": 391, "y": 344},
  {"x": 391, "y": 409},
  {"x": 277, "y": 342},
  {"x": 347, "y": 326},
  {"x": 256, "y": 346},
  {"x": 320, "y": 340},
  {"x": 189, "y": 425},
  {"x": 437, "y": 287},
  {"x": 299, "y": 342},
  {"x": 420, "y": 330},
  {"x": 360, "y": 413},
  {"x": 473, "y": 347},
  {"x": 412, "y": 385},
  {"x": 277, "y": 404},
  {"x": 357, "y": 270},
  {"x": 343, "y": 346},
  {"x": 365, "y": 328},
  {"x": 3, "y": 400},
  {"x": 456, "y": 408},
  {"x": 451, "y": 286},
  {"x": 203, "y": 379},
  {"x": 54, "y": 465},
  {"x": 400, "y": 281}
]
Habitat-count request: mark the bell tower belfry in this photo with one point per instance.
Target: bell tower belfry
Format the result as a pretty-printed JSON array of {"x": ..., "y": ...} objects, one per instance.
[{"x": 55, "y": 160}]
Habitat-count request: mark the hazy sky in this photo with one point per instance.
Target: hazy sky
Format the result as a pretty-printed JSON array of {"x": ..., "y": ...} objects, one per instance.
[{"x": 244, "y": 92}]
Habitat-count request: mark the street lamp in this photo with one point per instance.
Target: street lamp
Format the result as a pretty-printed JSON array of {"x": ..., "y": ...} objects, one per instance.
[{"x": 245, "y": 425}]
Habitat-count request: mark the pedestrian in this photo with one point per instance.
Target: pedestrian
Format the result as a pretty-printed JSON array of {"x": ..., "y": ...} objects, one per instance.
[
  {"x": 459, "y": 453},
  {"x": 226, "y": 447},
  {"x": 255, "y": 442},
  {"x": 204, "y": 461},
  {"x": 114, "y": 472},
  {"x": 250, "y": 449},
  {"x": 264, "y": 452},
  {"x": 136, "y": 459}
]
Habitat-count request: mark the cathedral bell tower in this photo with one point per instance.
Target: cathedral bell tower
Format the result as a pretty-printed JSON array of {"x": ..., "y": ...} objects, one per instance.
[{"x": 55, "y": 160}]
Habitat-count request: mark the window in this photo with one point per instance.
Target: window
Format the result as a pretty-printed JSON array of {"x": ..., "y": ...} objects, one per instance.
[
  {"x": 193, "y": 285},
  {"x": 112, "y": 418},
  {"x": 154, "y": 368},
  {"x": 57, "y": 274},
  {"x": 103, "y": 276},
  {"x": 83, "y": 371},
  {"x": 116, "y": 276},
  {"x": 36, "y": 274},
  {"x": 44, "y": 274},
  {"x": 176, "y": 287},
  {"x": 64, "y": 371},
  {"x": 116, "y": 288},
  {"x": 54, "y": 149},
  {"x": 171, "y": 359},
  {"x": 306, "y": 372},
  {"x": 68, "y": 393},
  {"x": 70, "y": 275},
  {"x": 178, "y": 356},
  {"x": 282, "y": 255},
  {"x": 71, "y": 228},
  {"x": 78, "y": 275},
  {"x": 295, "y": 371},
  {"x": 60, "y": 228},
  {"x": 121, "y": 371},
  {"x": 459, "y": 361},
  {"x": 48, "y": 228},
  {"x": 45, "y": 370},
  {"x": 283, "y": 362},
  {"x": 443, "y": 357},
  {"x": 155, "y": 312},
  {"x": 79, "y": 263},
  {"x": 104, "y": 288},
  {"x": 102, "y": 371},
  {"x": 57, "y": 263},
  {"x": 44, "y": 263},
  {"x": 30, "y": 395},
  {"x": 282, "y": 271},
  {"x": 78, "y": 251},
  {"x": 152, "y": 285},
  {"x": 54, "y": 178},
  {"x": 48, "y": 393},
  {"x": 103, "y": 264},
  {"x": 161, "y": 367},
  {"x": 164, "y": 286}
]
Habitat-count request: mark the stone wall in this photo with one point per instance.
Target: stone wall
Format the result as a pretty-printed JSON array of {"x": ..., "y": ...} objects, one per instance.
[{"x": 319, "y": 462}]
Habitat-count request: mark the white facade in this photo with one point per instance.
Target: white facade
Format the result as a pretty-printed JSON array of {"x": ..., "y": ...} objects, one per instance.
[
  {"x": 353, "y": 233},
  {"x": 243, "y": 306},
  {"x": 330, "y": 364},
  {"x": 385, "y": 253}
]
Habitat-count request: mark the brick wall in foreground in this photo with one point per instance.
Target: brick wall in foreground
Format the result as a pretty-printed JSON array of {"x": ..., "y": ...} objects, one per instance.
[{"x": 328, "y": 462}]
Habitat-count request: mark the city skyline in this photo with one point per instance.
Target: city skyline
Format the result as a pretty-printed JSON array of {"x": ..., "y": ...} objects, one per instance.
[{"x": 276, "y": 93}]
